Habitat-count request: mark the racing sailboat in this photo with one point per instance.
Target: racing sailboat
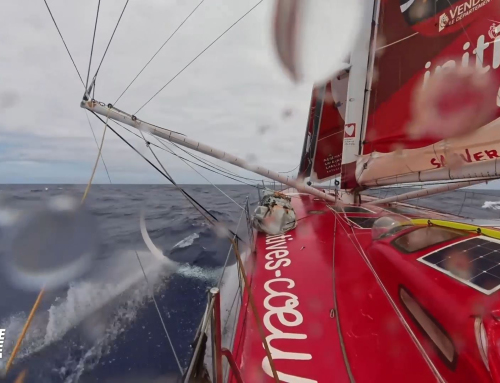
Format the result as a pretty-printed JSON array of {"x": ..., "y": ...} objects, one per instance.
[
  {"x": 372, "y": 290},
  {"x": 359, "y": 288}
]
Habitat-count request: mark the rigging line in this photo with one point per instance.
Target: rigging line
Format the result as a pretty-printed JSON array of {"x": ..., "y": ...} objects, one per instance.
[
  {"x": 295, "y": 168},
  {"x": 93, "y": 41},
  {"x": 185, "y": 193},
  {"x": 158, "y": 51},
  {"x": 155, "y": 167},
  {"x": 111, "y": 39},
  {"x": 204, "y": 161},
  {"x": 64, "y": 42},
  {"x": 79, "y": 76},
  {"x": 159, "y": 314},
  {"x": 203, "y": 51},
  {"x": 42, "y": 291},
  {"x": 206, "y": 179},
  {"x": 172, "y": 180},
  {"x": 337, "y": 319},
  {"x": 209, "y": 163},
  {"x": 23, "y": 332},
  {"x": 188, "y": 197},
  {"x": 463, "y": 202},
  {"x": 96, "y": 160},
  {"x": 195, "y": 204},
  {"x": 194, "y": 163},
  {"x": 95, "y": 139},
  {"x": 398, "y": 41},
  {"x": 185, "y": 159}
]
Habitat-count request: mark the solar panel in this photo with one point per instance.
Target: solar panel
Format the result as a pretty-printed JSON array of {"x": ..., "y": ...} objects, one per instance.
[{"x": 475, "y": 262}]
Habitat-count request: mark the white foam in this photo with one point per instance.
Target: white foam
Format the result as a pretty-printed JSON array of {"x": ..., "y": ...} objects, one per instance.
[
  {"x": 102, "y": 293},
  {"x": 494, "y": 205},
  {"x": 103, "y": 306},
  {"x": 196, "y": 272},
  {"x": 188, "y": 241}
]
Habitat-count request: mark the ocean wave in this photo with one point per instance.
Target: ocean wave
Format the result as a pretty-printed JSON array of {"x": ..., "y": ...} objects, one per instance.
[
  {"x": 188, "y": 241},
  {"x": 103, "y": 307},
  {"x": 494, "y": 205}
]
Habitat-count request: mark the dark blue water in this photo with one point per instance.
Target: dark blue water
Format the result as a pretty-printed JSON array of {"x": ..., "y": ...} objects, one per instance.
[{"x": 104, "y": 327}]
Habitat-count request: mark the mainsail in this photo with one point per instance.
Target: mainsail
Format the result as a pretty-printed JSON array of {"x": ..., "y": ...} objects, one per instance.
[
  {"x": 336, "y": 144},
  {"x": 329, "y": 147},
  {"x": 422, "y": 38}
]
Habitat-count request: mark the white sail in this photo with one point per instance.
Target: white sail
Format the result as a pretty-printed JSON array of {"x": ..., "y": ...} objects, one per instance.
[{"x": 438, "y": 161}]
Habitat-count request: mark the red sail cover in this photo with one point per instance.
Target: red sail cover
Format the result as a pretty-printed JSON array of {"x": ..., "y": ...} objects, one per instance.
[
  {"x": 328, "y": 159},
  {"x": 420, "y": 36}
]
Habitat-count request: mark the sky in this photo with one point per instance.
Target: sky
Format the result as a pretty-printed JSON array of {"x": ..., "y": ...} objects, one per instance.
[{"x": 235, "y": 97}]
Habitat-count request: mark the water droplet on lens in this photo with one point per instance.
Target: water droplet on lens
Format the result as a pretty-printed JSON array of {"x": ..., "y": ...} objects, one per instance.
[
  {"x": 263, "y": 129},
  {"x": 50, "y": 245},
  {"x": 313, "y": 38}
]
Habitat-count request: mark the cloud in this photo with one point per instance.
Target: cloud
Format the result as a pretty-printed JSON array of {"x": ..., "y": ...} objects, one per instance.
[{"x": 223, "y": 99}]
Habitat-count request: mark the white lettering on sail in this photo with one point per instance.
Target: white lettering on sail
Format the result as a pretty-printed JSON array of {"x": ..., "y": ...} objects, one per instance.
[
  {"x": 459, "y": 12},
  {"x": 480, "y": 61},
  {"x": 295, "y": 318}
]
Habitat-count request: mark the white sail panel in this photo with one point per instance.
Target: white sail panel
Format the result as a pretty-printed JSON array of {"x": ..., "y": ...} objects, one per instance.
[{"x": 482, "y": 145}]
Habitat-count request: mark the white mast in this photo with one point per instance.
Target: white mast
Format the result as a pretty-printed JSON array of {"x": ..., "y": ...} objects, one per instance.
[
  {"x": 360, "y": 78},
  {"x": 115, "y": 114}
]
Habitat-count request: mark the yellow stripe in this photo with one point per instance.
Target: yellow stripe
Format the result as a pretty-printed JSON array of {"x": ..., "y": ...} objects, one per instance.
[{"x": 459, "y": 226}]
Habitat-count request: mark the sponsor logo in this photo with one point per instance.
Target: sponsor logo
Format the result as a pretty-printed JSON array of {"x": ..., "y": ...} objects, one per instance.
[
  {"x": 2, "y": 338},
  {"x": 467, "y": 156},
  {"x": 484, "y": 55},
  {"x": 459, "y": 12},
  {"x": 350, "y": 131},
  {"x": 494, "y": 31},
  {"x": 281, "y": 304},
  {"x": 443, "y": 21},
  {"x": 333, "y": 163}
]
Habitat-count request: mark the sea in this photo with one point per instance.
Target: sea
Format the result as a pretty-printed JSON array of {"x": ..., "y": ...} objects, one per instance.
[{"x": 104, "y": 326}]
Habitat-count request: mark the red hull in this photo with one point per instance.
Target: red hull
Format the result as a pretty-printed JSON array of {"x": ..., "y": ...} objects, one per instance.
[{"x": 367, "y": 333}]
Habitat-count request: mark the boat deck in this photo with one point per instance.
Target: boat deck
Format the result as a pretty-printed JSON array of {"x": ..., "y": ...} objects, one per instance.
[{"x": 318, "y": 330}]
